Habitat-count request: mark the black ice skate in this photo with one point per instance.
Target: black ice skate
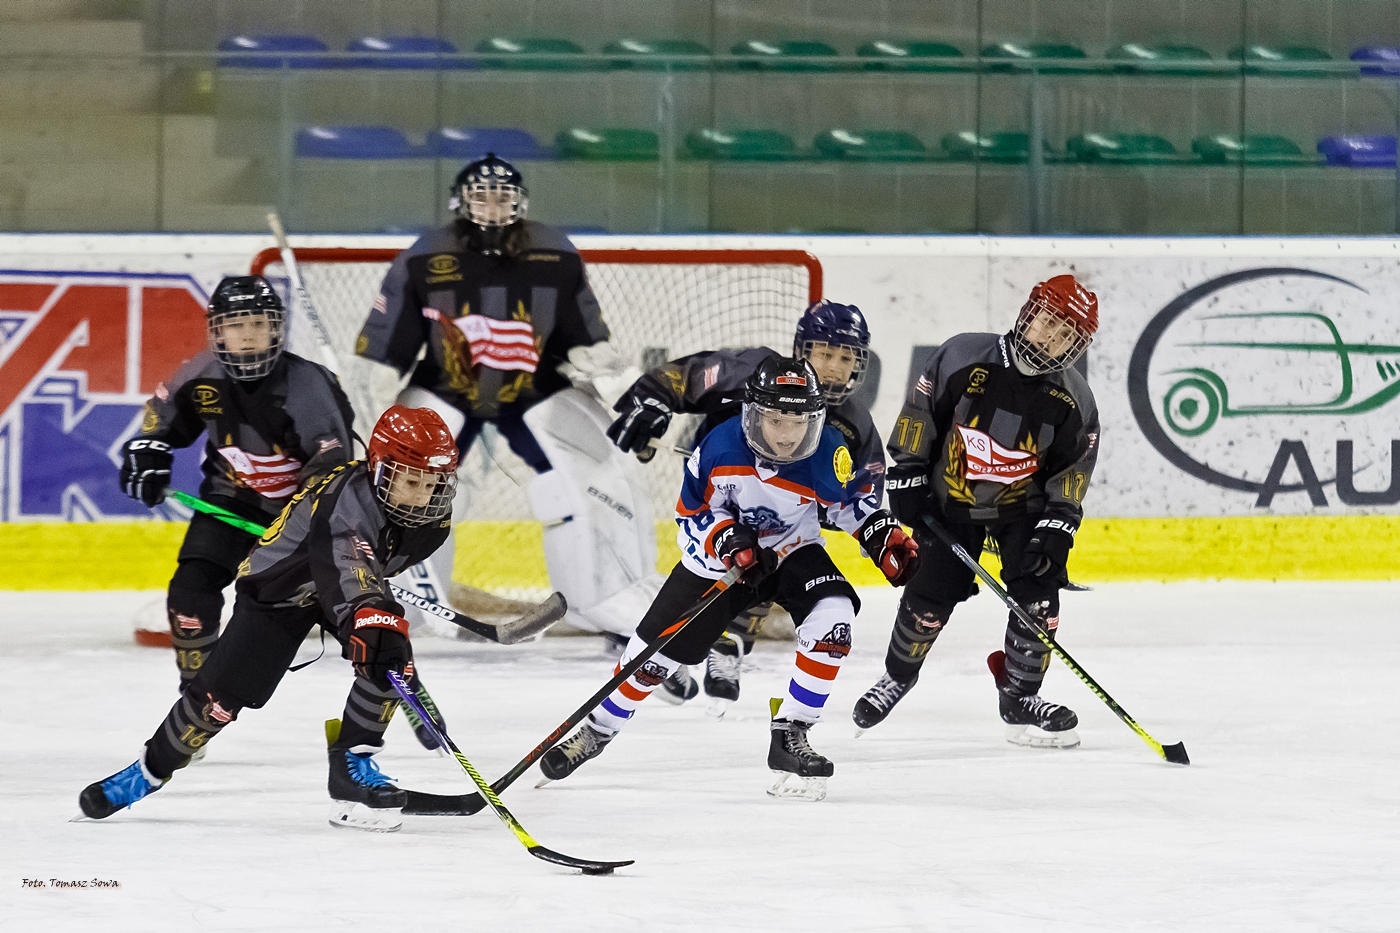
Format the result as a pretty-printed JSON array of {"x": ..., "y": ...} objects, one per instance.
[
  {"x": 872, "y": 708},
  {"x": 679, "y": 687},
  {"x": 361, "y": 796},
  {"x": 1031, "y": 721},
  {"x": 564, "y": 759},
  {"x": 801, "y": 772},
  {"x": 103, "y": 798},
  {"x": 722, "y": 675}
]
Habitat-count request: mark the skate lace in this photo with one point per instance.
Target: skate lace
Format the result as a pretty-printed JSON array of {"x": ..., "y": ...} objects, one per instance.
[
  {"x": 725, "y": 666},
  {"x": 796, "y": 742},
  {"x": 126, "y": 787},
  {"x": 582, "y": 746},
  {"x": 885, "y": 693},
  {"x": 364, "y": 771},
  {"x": 1036, "y": 706}
]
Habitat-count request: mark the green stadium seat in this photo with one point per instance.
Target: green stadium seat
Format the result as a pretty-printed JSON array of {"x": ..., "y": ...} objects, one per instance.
[
  {"x": 741, "y": 145},
  {"x": 607, "y": 144},
  {"x": 677, "y": 54},
  {"x": 785, "y": 55},
  {"x": 1252, "y": 150},
  {"x": 888, "y": 55},
  {"x": 871, "y": 146},
  {"x": 1166, "y": 59},
  {"x": 1014, "y": 56},
  {"x": 533, "y": 54},
  {"x": 1123, "y": 149},
  {"x": 993, "y": 147},
  {"x": 1275, "y": 59}
]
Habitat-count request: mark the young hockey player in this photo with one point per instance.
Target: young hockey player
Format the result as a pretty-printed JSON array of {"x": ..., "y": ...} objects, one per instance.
[
  {"x": 325, "y": 561},
  {"x": 832, "y": 337},
  {"x": 500, "y": 309},
  {"x": 999, "y": 435},
  {"x": 275, "y": 423},
  {"x": 754, "y": 494}
]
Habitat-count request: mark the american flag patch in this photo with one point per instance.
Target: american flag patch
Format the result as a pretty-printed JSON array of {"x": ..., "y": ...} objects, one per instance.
[
  {"x": 275, "y": 476},
  {"x": 711, "y": 376},
  {"x": 381, "y": 304},
  {"x": 362, "y": 546},
  {"x": 924, "y": 386}
]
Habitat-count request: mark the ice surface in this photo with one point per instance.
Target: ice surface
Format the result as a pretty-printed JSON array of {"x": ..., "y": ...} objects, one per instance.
[{"x": 1286, "y": 820}]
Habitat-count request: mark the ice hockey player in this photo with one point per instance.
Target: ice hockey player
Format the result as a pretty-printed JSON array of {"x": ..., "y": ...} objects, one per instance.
[
  {"x": 274, "y": 423},
  {"x": 998, "y": 435},
  {"x": 503, "y": 307},
  {"x": 835, "y": 339},
  {"x": 754, "y": 494},
  {"x": 323, "y": 562}
]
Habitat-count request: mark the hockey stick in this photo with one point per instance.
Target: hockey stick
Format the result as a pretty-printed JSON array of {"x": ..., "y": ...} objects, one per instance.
[
  {"x": 303, "y": 297},
  {"x": 519, "y": 629},
  {"x": 534, "y": 848},
  {"x": 468, "y": 804},
  {"x": 1176, "y": 754}
]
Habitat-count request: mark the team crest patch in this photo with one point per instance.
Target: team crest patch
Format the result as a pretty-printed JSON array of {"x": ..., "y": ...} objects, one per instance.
[
  {"x": 841, "y": 463},
  {"x": 763, "y": 520},
  {"x": 650, "y": 674},
  {"x": 188, "y": 623},
  {"x": 443, "y": 264},
  {"x": 836, "y": 643},
  {"x": 213, "y": 712},
  {"x": 150, "y": 420}
]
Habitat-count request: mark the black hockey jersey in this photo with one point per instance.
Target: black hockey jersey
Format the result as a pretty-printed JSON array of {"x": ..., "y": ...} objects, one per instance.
[
  {"x": 266, "y": 439},
  {"x": 712, "y": 384},
  {"x": 495, "y": 326},
  {"x": 333, "y": 545},
  {"x": 990, "y": 444}
]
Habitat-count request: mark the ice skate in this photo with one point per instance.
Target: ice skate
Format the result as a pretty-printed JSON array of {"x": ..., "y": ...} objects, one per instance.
[
  {"x": 361, "y": 796},
  {"x": 1031, "y": 721},
  {"x": 679, "y": 687},
  {"x": 801, "y": 772},
  {"x": 722, "y": 675},
  {"x": 564, "y": 759},
  {"x": 872, "y": 708},
  {"x": 100, "y": 800}
]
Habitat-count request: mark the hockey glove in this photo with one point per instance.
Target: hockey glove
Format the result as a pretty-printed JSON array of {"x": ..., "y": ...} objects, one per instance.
[
  {"x": 893, "y": 551},
  {"x": 146, "y": 469},
  {"x": 736, "y": 544},
  {"x": 907, "y": 489},
  {"x": 634, "y": 430},
  {"x": 1048, "y": 549},
  {"x": 378, "y": 644}
]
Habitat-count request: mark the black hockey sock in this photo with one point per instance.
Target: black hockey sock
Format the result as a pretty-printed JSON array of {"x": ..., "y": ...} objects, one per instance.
[
  {"x": 1026, "y": 655},
  {"x": 914, "y": 633},
  {"x": 191, "y": 724},
  {"x": 368, "y": 712},
  {"x": 193, "y": 607}
]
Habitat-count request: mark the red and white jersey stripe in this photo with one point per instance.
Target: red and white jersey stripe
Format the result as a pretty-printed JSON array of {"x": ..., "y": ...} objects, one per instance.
[
  {"x": 500, "y": 344},
  {"x": 275, "y": 476}
]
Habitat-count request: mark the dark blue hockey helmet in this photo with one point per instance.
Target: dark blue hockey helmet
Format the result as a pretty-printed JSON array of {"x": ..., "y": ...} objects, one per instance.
[
  {"x": 834, "y": 338},
  {"x": 490, "y": 193}
]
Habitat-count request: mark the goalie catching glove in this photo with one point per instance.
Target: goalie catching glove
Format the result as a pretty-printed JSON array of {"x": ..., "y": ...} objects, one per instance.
[
  {"x": 893, "y": 551},
  {"x": 145, "y": 469},
  {"x": 646, "y": 421},
  {"x": 378, "y": 644},
  {"x": 737, "y": 544}
]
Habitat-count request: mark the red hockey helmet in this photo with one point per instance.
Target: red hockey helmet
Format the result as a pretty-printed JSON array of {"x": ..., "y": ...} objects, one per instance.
[
  {"x": 1056, "y": 325},
  {"x": 413, "y": 465}
]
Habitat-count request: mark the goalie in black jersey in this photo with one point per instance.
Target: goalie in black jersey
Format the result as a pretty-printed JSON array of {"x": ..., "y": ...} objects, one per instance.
[
  {"x": 835, "y": 339},
  {"x": 325, "y": 561},
  {"x": 998, "y": 437}
]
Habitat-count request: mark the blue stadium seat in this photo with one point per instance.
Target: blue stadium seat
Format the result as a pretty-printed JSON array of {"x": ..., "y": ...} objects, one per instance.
[
  {"x": 293, "y": 44},
  {"x": 406, "y": 52},
  {"x": 1387, "y": 57},
  {"x": 356, "y": 142},
  {"x": 1358, "y": 151},
  {"x": 473, "y": 142}
]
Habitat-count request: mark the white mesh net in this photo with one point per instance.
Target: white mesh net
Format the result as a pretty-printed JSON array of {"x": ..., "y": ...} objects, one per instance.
[{"x": 658, "y": 305}]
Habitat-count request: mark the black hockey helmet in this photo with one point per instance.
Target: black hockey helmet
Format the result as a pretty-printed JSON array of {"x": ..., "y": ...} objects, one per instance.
[
  {"x": 245, "y": 322},
  {"x": 489, "y": 193},
  {"x": 784, "y": 410}
]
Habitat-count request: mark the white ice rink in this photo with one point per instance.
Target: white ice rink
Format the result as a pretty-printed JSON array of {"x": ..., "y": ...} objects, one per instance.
[{"x": 1285, "y": 821}]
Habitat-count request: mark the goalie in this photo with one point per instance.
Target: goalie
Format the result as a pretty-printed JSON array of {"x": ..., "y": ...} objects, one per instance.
[{"x": 500, "y": 309}]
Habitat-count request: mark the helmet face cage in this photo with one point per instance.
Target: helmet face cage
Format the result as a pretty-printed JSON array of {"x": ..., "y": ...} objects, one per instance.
[
  {"x": 836, "y": 393},
  {"x": 828, "y": 324},
  {"x": 241, "y": 364},
  {"x": 489, "y": 193},
  {"x": 779, "y": 436},
  {"x": 1033, "y": 354},
  {"x": 387, "y": 472}
]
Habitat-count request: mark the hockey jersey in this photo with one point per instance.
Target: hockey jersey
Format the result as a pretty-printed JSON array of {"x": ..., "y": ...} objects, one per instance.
[
  {"x": 266, "y": 438},
  {"x": 786, "y": 507}
]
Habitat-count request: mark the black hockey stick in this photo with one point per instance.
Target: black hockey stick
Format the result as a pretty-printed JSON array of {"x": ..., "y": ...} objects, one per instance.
[
  {"x": 468, "y": 804},
  {"x": 1176, "y": 754},
  {"x": 587, "y": 866},
  {"x": 519, "y": 629}
]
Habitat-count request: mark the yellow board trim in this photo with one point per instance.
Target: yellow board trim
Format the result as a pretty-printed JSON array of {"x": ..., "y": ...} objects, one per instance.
[{"x": 141, "y": 555}]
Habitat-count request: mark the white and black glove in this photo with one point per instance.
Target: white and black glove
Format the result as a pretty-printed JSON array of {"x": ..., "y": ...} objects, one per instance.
[
  {"x": 1047, "y": 552},
  {"x": 635, "y": 429},
  {"x": 146, "y": 469}
]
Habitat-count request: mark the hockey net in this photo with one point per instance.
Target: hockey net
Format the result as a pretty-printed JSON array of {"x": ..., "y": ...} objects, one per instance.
[{"x": 658, "y": 305}]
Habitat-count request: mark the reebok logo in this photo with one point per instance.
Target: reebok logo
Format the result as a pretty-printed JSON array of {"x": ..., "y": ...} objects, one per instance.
[{"x": 369, "y": 618}]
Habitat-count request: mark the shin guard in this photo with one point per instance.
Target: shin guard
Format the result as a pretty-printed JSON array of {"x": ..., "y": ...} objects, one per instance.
[
  {"x": 914, "y": 633},
  {"x": 621, "y": 705},
  {"x": 823, "y": 642},
  {"x": 190, "y": 725},
  {"x": 1026, "y": 655}
]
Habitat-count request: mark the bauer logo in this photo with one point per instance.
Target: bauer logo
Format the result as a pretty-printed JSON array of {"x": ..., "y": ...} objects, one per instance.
[
  {"x": 80, "y": 353},
  {"x": 1278, "y": 383}
]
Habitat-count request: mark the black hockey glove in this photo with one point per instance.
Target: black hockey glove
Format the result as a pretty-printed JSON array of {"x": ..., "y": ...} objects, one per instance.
[
  {"x": 378, "y": 644},
  {"x": 1048, "y": 549},
  {"x": 893, "y": 551},
  {"x": 146, "y": 469},
  {"x": 907, "y": 489},
  {"x": 636, "y": 428},
  {"x": 737, "y": 544}
]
